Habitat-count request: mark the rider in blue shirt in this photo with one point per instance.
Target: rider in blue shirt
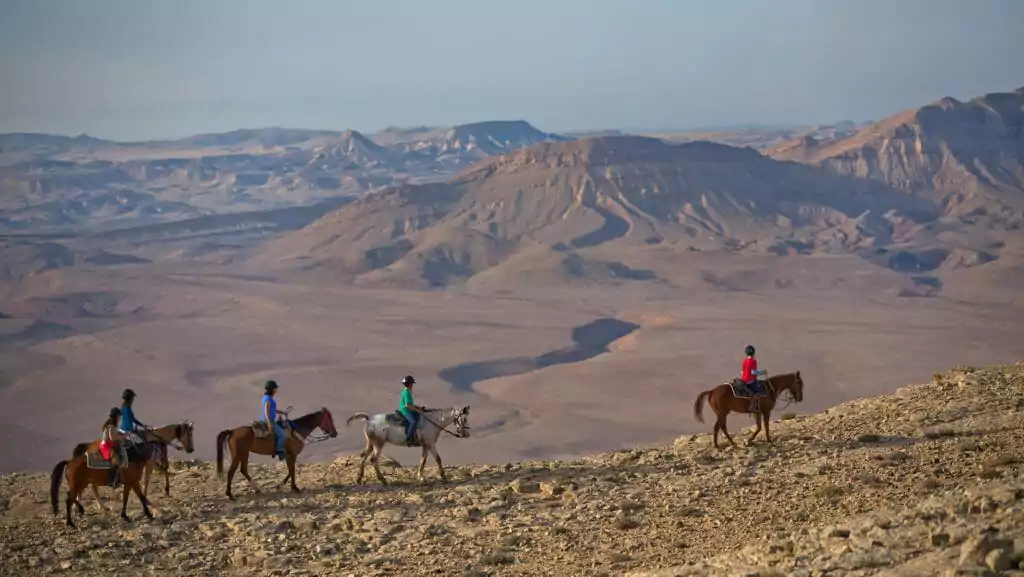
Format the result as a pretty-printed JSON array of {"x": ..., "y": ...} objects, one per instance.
[
  {"x": 268, "y": 407},
  {"x": 129, "y": 423}
]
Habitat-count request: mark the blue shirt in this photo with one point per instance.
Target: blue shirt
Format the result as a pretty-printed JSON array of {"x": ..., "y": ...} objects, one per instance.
[
  {"x": 127, "y": 418},
  {"x": 273, "y": 407}
]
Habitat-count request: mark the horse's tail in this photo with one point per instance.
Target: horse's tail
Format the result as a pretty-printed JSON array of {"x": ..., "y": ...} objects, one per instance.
[
  {"x": 80, "y": 450},
  {"x": 222, "y": 440},
  {"x": 698, "y": 406},
  {"x": 55, "y": 479},
  {"x": 362, "y": 416}
]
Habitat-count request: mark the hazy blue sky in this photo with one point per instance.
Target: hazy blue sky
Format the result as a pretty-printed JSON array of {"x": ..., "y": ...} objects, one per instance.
[{"x": 138, "y": 69}]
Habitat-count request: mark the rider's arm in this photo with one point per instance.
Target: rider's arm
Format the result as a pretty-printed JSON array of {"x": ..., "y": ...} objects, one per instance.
[{"x": 266, "y": 411}]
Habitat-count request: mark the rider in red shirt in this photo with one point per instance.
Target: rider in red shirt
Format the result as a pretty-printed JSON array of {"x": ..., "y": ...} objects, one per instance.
[{"x": 750, "y": 371}]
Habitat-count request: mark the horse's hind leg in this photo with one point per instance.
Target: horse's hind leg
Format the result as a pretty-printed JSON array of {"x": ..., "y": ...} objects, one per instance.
[
  {"x": 757, "y": 420},
  {"x": 167, "y": 481},
  {"x": 362, "y": 460},
  {"x": 725, "y": 430},
  {"x": 375, "y": 459},
  {"x": 767, "y": 434},
  {"x": 243, "y": 460}
]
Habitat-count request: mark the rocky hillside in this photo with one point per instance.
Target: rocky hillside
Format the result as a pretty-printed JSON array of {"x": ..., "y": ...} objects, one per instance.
[{"x": 926, "y": 481}]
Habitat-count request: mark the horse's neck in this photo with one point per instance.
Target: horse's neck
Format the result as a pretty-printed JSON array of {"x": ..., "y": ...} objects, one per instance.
[
  {"x": 305, "y": 424},
  {"x": 166, "y": 432},
  {"x": 779, "y": 384}
]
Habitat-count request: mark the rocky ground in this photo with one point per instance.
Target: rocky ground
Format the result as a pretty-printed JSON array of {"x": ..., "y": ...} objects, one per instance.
[{"x": 927, "y": 481}]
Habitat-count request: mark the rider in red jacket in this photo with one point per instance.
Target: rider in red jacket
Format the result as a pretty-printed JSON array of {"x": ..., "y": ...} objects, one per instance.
[{"x": 750, "y": 371}]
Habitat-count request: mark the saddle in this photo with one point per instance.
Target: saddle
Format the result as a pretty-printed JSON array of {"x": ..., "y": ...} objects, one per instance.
[
  {"x": 742, "y": 390},
  {"x": 396, "y": 418},
  {"x": 261, "y": 430}
]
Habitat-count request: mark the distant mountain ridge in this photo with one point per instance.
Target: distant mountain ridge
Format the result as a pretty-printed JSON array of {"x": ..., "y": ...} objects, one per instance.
[{"x": 553, "y": 199}]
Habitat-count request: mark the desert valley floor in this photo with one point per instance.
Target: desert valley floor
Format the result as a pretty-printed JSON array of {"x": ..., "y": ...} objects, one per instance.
[{"x": 548, "y": 373}]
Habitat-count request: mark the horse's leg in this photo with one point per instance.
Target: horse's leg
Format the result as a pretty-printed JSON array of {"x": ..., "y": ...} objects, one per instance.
[
  {"x": 725, "y": 429},
  {"x": 290, "y": 459},
  {"x": 124, "y": 497},
  {"x": 714, "y": 436},
  {"x": 235, "y": 452},
  {"x": 767, "y": 434},
  {"x": 99, "y": 502},
  {"x": 440, "y": 468},
  {"x": 757, "y": 420},
  {"x": 375, "y": 459},
  {"x": 362, "y": 460},
  {"x": 243, "y": 460},
  {"x": 149, "y": 471},
  {"x": 167, "y": 481},
  {"x": 142, "y": 499},
  {"x": 423, "y": 461},
  {"x": 72, "y": 496}
]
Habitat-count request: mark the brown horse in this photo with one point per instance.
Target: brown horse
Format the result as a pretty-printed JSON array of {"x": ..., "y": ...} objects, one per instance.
[
  {"x": 723, "y": 401},
  {"x": 243, "y": 440},
  {"x": 80, "y": 476},
  {"x": 160, "y": 437}
]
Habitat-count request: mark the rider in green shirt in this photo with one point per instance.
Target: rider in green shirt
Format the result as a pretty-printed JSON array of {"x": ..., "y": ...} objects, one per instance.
[{"x": 409, "y": 409}]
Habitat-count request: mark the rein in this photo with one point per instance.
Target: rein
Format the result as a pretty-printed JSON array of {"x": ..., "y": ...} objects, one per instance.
[
  {"x": 788, "y": 399},
  {"x": 444, "y": 428}
]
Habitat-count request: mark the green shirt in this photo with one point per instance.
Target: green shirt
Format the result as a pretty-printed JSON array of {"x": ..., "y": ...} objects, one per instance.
[{"x": 406, "y": 400}]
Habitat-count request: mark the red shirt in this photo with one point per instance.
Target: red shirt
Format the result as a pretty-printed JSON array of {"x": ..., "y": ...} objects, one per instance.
[{"x": 749, "y": 366}]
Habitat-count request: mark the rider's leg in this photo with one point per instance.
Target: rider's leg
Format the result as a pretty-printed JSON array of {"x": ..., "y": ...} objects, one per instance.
[
  {"x": 280, "y": 436},
  {"x": 410, "y": 427}
]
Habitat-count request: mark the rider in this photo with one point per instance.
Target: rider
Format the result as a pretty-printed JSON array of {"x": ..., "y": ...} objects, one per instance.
[
  {"x": 750, "y": 371},
  {"x": 129, "y": 424},
  {"x": 108, "y": 444},
  {"x": 269, "y": 410},
  {"x": 409, "y": 410}
]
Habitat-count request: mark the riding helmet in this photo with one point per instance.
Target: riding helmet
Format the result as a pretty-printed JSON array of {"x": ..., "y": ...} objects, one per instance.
[
  {"x": 115, "y": 412},
  {"x": 408, "y": 380},
  {"x": 269, "y": 386},
  {"x": 750, "y": 350},
  {"x": 128, "y": 394}
]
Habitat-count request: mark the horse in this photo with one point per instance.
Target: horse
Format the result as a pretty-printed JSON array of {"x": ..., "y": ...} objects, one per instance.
[
  {"x": 383, "y": 428},
  {"x": 243, "y": 440},
  {"x": 723, "y": 400},
  {"x": 163, "y": 436},
  {"x": 79, "y": 475}
]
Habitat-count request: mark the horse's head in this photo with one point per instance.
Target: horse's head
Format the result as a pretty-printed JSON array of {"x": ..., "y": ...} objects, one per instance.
[
  {"x": 327, "y": 423},
  {"x": 462, "y": 422},
  {"x": 796, "y": 386},
  {"x": 183, "y": 432}
]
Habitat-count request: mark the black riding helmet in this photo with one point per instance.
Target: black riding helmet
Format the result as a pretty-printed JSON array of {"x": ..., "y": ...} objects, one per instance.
[
  {"x": 408, "y": 380},
  {"x": 750, "y": 350},
  {"x": 128, "y": 395},
  {"x": 270, "y": 386}
]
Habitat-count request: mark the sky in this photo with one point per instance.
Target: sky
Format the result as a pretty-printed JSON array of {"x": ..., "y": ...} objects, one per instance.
[{"x": 132, "y": 70}]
